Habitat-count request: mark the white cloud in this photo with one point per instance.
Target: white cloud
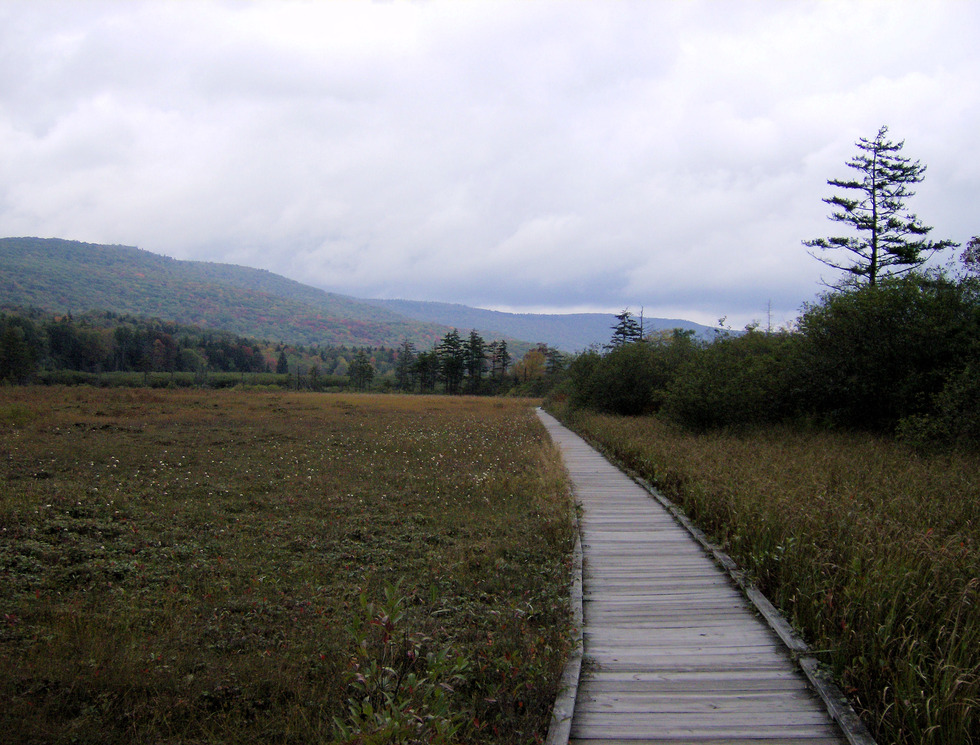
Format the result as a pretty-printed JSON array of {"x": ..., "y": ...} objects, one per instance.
[{"x": 664, "y": 154}]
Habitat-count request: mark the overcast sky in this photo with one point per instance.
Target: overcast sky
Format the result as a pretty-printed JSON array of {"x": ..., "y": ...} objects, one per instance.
[{"x": 529, "y": 156}]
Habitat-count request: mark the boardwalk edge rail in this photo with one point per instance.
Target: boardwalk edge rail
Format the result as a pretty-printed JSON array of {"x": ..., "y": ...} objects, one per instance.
[
  {"x": 838, "y": 706},
  {"x": 560, "y": 728}
]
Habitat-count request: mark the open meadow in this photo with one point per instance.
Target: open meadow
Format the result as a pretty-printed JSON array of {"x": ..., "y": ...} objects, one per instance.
[
  {"x": 872, "y": 551},
  {"x": 192, "y": 566}
]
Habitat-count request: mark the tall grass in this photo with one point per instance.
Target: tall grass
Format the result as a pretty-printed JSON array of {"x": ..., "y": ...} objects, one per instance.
[
  {"x": 872, "y": 551},
  {"x": 188, "y": 566}
]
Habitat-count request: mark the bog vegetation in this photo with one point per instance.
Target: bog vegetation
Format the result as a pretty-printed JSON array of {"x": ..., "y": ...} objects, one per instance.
[
  {"x": 871, "y": 551},
  {"x": 229, "y": 566}
]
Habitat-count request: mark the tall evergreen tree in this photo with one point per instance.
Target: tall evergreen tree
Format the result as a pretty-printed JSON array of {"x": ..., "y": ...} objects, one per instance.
[
  {"x": 890, "y": 240},
  {"x": 361, "y": 371},
  {"x": 499, "y": 360},
  {"x": 555, "y": 362},
  {"x": 405, "y": 367},
  {"x": 452, "y": 361},
  {"x": 627, "y": 330},
  {"x": 282, "y": 364},
  {"x": 475, "y": 350},
  {"x": 427, "y": 370},
  {"x": 971, "y": 256}
]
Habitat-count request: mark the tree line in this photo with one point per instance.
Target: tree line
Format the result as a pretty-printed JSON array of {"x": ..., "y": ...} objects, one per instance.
[
  {"x": 36, "y": 345},
  {"x": 33, "y": 342},
  {"x": 901, "y": 357},
  {"x": 474, "y": 366},
  {"x": 890, "y": 347}
]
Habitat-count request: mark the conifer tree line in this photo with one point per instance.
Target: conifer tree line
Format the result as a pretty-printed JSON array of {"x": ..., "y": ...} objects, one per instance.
[
  {"x": 32, "y": 340},
  {"x": 35, "y": 346},
  {"x": 471, "y": 365}
]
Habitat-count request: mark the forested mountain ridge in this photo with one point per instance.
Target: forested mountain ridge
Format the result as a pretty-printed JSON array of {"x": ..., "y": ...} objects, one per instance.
[
  {"x": 70, "y": 276},
  {"x": 63, "y": 276},
  {"x": 571, "y": 332}
]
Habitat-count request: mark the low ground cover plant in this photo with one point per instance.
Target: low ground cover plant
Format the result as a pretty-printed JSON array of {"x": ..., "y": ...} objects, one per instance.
[
  {"x": 870, "y": 549},
  {"x": 229, "y": 566}
]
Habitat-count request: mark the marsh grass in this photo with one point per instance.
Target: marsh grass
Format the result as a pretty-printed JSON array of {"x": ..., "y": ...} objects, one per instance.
[
  {"x": 869, "y": 549},
  {"x": 188, "y": 566}
]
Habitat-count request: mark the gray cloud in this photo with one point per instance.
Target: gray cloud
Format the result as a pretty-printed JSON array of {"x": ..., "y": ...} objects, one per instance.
[{"x": 509, "y": 155}]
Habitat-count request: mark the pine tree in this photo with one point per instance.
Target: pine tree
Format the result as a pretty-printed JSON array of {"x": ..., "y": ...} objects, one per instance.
[
  {"x": 426, "y": 368},
  {"x": 475, "y": 350},
  {"x": 282, "y": 364},
  {"x": 890, "y": 241},
  {"x": 361, "y": 371},
  {"x": 626, "y": 331},
  {"x": 555, "y": 362},
  {"x": 405, "y": 367},
  {"x": 452, "y": 361},
  {"x": 499, "y": 359},
  {"x": 971, "y": 256}
]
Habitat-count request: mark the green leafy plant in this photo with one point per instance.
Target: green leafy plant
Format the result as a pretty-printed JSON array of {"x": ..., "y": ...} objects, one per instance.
[{"x": 400, "y": 688}]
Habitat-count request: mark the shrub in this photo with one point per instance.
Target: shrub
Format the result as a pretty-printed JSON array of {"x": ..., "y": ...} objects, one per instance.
[
  {"x": 873, "y": 356},
  {"x": 736, "y": 381},
  {"x": 955, "y": 416},
  {"x": 399, "y": 687},
  {"x": 632, "y": 378}
]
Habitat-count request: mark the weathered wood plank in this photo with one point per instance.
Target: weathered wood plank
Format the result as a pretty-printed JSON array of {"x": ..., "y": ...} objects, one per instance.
[
  {"x": 730, "y": 734},
  {"x": 673, "y": 652},
  {"x": 695, "y": 726},
  {"x": 722, "y": 636},
  {"x": 649, "y": 663},
  {"x": 758, "y": 740},
  {"x": 702, "y": 683},
  {"x": 702, "y": 704}
]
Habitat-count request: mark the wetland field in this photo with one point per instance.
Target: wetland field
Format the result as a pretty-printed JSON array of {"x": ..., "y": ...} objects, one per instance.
[{"x": 188, "y": 566}]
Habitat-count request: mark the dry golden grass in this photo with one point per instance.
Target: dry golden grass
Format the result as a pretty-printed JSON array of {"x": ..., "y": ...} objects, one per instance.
[{"x": 187, "y": 566}]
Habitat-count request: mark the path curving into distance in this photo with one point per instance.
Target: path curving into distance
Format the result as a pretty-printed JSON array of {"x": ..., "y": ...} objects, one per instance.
[{"x": 673, "y": 651}]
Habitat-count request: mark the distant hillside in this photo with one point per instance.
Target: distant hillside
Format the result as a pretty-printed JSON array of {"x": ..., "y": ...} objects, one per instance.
[
  {"x": 63, "y": 276},
  {"x": 69, "y": 276},
  {"x": 572, "y": 332}
]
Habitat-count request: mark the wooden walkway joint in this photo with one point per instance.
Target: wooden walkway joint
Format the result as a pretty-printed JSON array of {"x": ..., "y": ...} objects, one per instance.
[{"x": 673, "y": 650}]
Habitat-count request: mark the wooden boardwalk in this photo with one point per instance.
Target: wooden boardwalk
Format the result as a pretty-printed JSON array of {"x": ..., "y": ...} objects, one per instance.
[{"x": 673, "y": 653}]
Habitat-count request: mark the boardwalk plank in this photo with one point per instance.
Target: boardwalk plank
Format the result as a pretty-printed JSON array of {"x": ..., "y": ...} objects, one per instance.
[
  {"x": 646, "y": 702},
  {"x": 673, "y": 652},
  {"x": 760, "y": 740}
]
